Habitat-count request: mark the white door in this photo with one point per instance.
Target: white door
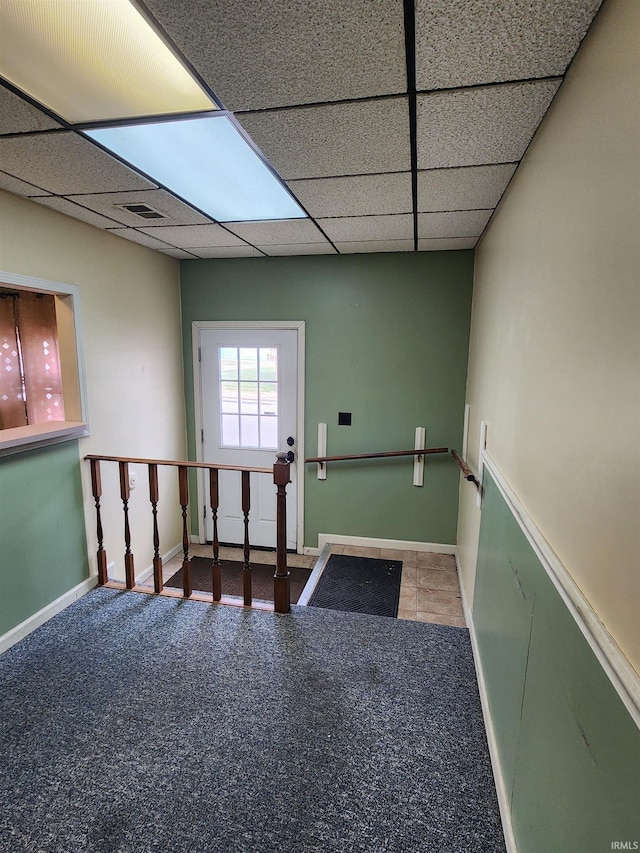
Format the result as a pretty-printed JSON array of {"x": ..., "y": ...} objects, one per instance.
[{"x": 249, "y": 380}]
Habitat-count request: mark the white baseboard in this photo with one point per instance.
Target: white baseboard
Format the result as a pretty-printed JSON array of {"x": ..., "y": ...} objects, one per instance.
[
  {"x": 25, "y": 628},
  {"x": 498, "y": 778},
  {"x": 393, "y": 544},
  {"x": 148, "y": 572}
]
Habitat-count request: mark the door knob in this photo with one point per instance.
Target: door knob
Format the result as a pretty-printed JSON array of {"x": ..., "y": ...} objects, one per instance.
[
  {"x": 291, "y": 441},
  {"x": 291, "y": 456}
]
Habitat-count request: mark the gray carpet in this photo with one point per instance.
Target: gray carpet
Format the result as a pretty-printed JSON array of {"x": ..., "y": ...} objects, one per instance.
[{"x": 137, "y": 724}]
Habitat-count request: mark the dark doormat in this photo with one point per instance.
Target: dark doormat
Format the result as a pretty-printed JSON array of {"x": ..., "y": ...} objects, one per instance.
[
  {"x": 231, "y": 572},
  {"x": 359, "y": 585}
]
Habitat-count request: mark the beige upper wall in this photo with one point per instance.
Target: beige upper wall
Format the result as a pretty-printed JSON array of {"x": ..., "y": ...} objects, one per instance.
[
  {"x": 130, "y": 305},
  {"x": 554, "y": 361}
]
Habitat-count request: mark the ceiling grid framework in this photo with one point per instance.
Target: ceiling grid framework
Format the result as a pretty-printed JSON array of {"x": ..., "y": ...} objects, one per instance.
[{"x": 396, "y": 126}]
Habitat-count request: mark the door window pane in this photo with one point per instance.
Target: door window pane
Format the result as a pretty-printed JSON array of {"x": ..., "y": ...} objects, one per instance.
[
  {"x": 229, "y": 397},
  {"x": 230, "y": 431},
  {"x": 268, "y": 433},
  {"x": 248, "y": 393},
  {"x": 249, "y": 431}
]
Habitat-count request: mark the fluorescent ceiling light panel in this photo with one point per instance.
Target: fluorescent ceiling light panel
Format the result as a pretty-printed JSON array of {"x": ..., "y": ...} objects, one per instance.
[
  {"x": 94, "y": 60},
  {"x": 207, "y": 162}
]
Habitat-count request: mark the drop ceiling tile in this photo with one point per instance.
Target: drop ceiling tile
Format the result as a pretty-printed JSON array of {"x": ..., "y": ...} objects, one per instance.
[
  {"x": 18, "y": 116},
  {"x": 65, "y": 164},
  {"x": 361, "y": 246},
  {"x": 176, "y": 211},
  {"x": 463, "y": 223},
  {"x": 365, "y": 228},
  {"x": 75, "y": 210},
  {"x": 465, "y": 188},
  {"x": 178, "y": 253},
  {"x": 189, "y": 236},
  {"x": 18, "y": 187},
  {"x": 300, "y": 249},
  {"x": 269, "y": 53},
  {"x": 356, "y": 195},
  {"x": 138, "y": 237},
  {"x": 242, "y": 251},
  {"x": 445, "y": 244},
  {"x": 334, "y": 139},
  {"x": 277, "y": 232},
  {"x": 492, "y": 124},
  {"x": 467, "y": 42}
]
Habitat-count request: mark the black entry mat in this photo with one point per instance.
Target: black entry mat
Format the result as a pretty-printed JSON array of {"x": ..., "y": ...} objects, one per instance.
[
  {"x": 231, "y": 574},
  {"x": 359, "y": 585}
]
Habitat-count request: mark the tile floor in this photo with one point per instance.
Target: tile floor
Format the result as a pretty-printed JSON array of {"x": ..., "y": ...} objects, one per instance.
[{"x": 429, "y": 591}]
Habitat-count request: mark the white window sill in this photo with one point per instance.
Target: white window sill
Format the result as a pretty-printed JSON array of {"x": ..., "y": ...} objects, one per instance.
[{"x": 39, "y": 435}]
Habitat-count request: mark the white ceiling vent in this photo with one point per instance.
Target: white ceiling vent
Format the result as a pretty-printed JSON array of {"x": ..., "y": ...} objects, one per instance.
[{"x": 144, "y": 211}]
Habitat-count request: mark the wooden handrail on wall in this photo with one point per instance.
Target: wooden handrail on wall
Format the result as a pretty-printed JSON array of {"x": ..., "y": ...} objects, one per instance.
[
  {"x": 281, "y": 578},
  {"x": 387, "y": 453},
  {"x": 466, "y": 471}
]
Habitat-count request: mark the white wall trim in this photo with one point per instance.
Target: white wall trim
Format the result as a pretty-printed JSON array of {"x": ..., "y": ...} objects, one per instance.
[
  {"x": 146, "y": 573},
  {"x": 394, "y": 544},
  {"x": 296, "y": 325},
  {"x": 25, "y": 628},
  {"x": 501, "y": 789},
  {"x": 621, "y": 673}
]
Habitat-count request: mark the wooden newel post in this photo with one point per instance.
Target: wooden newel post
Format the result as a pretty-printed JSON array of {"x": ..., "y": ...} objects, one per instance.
[
  {"x": 96, "y": 487},
  {"x": 281, "y": 579}
]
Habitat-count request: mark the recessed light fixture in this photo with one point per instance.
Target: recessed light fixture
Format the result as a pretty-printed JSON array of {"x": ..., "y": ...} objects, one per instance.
[
  {"x": 207, "y": 162},
  {"x": 94, "y": 60}
]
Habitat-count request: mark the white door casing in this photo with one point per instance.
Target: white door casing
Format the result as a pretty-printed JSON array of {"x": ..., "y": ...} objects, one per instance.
[{"x": 246, "y": 434}]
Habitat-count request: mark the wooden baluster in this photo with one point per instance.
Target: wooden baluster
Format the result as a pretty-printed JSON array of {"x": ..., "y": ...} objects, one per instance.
[
  {"x": 246, "y": 571},
  {"x": 214, "y": 500},
  {"x": 154, "y": 497},
  {"x": 129, "y": 572},
  {"x": 282, "y": 577},
  {"x": 96, "y": 486},
  {"x": 183, "y": 482}
]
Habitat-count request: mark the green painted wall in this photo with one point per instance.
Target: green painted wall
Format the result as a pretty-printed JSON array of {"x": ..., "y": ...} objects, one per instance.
[
  {"x": 43, "y": 551},
  {"x": 386, "y": 339},
  {"x": 569, "y": 751}
]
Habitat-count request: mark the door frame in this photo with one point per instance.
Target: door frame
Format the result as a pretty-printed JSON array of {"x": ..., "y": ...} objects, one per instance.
[{"x": 197, "y": 326}]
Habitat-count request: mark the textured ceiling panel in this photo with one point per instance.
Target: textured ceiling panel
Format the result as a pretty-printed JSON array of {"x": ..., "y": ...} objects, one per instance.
[
  {"x": 493, "y": 124},
  {"x": 463, "y": 189},
  {"x": 268, "y": 53},
  {"x": 336, "y": 139},
  {"x": 18, "y": 116},
  {"x": 75, "y": 210},
  {"x": 466, "y": 42},
  {"x": 357, "y": 195},
  {"x": 300, "y": 249},
  {"x": 465, "y": 223},
  {"x": 139, "y": 237},
  {"x": 363, "y": 228},
  {"x": 188, "y": 236},
  {"x": 18, "y": 187},
  {"x": 242, "y": 251},
  {"x": 281, "y": 232},
  {"x": 65, "y": 164},
  {"x": 178, "y": 253},
  {"x": 177, "y": 212},
  {"x": 358, "y": 247},
  {"x": 446, "y": 244}
]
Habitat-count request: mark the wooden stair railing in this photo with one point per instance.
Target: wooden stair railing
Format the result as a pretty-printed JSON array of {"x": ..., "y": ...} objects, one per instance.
[
  {"x": 384, "y": 455},
  {"x": 466, "y": 471},
  {"x": 281, "y": 578}
]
